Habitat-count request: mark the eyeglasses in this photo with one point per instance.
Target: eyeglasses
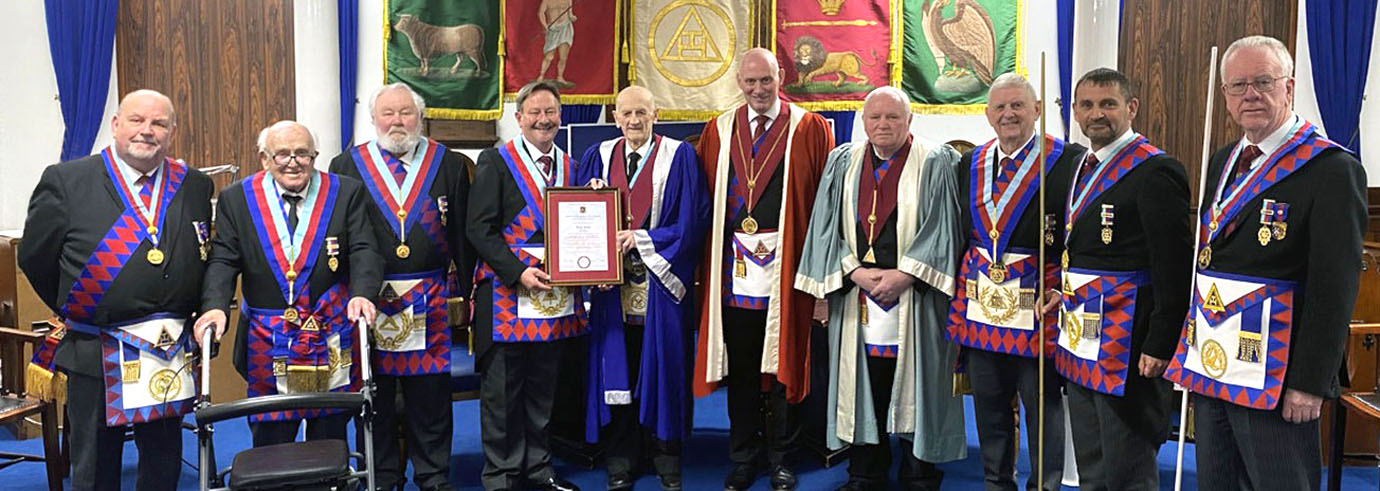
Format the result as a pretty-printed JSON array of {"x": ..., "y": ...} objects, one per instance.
[
  {"x": 1262, "y": 85},
  {"x": 302, "y": 157}
]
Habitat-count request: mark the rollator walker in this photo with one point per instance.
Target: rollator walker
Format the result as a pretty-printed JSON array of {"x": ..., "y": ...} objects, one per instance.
[{"x": 310, "y": 465}]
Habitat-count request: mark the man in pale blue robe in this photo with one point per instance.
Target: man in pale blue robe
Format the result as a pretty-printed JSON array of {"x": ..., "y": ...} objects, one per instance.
[
  {"x": 883, "y": 249},
  {"x": 639, "y": 330}
]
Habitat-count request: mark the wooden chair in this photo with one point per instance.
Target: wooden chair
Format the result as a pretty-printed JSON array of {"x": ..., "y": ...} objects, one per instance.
[{"x": 16, "y": 406}]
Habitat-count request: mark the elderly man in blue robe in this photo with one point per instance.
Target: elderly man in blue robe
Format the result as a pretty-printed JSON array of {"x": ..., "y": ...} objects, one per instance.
[
  {"x": 639, "y": 399},
  {"x": 883, "y": 249}
]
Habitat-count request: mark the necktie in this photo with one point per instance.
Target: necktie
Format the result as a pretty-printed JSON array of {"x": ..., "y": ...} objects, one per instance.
[
  {"x": 545, "y": 164},
  {"x": 1006, "y": 172},
  {"x": 145, "y": 184},
  {"x": 292, "y": 201},
  {"x": 1085, "y": 172},
  {"x": 1243, "y": 167},
  {"x": 396, "y": 167},
  {"x": 633, "y": 159},
  {"x": 757, "y": 131}
]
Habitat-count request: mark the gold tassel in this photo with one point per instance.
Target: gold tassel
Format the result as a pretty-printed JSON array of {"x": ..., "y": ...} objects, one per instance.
[
  {"x": 1248, "y": 347},
  {"x": 44, "y": 384},
  {"x": 962, "y": 385}
]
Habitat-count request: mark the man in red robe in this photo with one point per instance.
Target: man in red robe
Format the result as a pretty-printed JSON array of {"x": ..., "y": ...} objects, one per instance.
[{"x": 758, "y": 157}]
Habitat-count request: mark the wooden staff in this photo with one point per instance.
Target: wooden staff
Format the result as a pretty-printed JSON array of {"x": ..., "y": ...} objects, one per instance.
[
  {"x": 1040, "y": 271},
  {"x": 1193, "y": 265}
]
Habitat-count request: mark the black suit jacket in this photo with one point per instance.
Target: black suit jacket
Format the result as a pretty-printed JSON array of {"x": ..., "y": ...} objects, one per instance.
[
  {"x": 1027, "y": 232},
  {"x": 453, "y": 182},
  {"x": 1321, "y": 251},
  {"x": 236, "y": 252},
  {"x": 1150, "y": 231},
  {"x": 494, "y": 201},
  {"x": 70, "y": 211}
]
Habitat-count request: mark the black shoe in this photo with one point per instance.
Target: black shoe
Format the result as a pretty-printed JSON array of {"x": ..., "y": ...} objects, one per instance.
[
  {"x": 620, "y": 481},
  {"x": 782, "y": 478},
  {"x": 555, "y": 484},
  {"x": 670, "y": 482},
  {"x": 741, "y": 477}
]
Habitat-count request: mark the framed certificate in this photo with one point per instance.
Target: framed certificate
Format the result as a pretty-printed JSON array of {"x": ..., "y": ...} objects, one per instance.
[{"x": 581, "y": 243}]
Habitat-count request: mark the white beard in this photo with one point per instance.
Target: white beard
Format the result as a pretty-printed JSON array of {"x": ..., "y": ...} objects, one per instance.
[{"x": 399, "y": 147}]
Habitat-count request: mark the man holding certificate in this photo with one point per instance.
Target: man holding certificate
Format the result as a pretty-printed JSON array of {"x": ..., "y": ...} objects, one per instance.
[
  {"x": 520, "y": 317},
  {"x": 639, "y": 329}
]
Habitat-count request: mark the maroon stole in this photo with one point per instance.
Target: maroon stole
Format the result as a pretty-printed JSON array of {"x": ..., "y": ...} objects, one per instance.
[
  {"x": 637, "y": 197},
  {"x": 877, "y": 200},
  {"x": 767, "y": 157}
]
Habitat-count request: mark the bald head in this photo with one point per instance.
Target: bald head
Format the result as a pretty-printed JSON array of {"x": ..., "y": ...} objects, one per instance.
[
  {"x": 287, "y": 150},
  {"x": 143, "y": 128},
  {"x": 759, "y": 77},
  {"x": 635, "y": 114},
  {"x": 886, "y": 119}
]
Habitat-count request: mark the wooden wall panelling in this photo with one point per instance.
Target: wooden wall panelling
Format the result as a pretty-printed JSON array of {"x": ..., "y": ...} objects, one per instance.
[
  {"x": 228, "y": 67},
  {"x": 1164, "y": 49}
]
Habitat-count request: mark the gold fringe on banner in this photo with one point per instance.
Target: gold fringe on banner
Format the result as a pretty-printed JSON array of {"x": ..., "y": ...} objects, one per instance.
[
  {"x": 464, "y": 114},
  {"x": 686, "y": 114}
]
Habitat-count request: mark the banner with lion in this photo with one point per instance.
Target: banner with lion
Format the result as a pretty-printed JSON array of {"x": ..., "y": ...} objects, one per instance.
[
  {"x": 953, "y": 49},
  {"x": 449, "y": 53},
  {"x": 834, "y": 52}
]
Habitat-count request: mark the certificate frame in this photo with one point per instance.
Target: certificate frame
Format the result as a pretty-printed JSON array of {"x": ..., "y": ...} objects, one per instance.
[{"x": 612, "y": 199}]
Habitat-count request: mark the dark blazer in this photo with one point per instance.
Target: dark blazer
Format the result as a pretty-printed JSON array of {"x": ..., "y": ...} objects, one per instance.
[
  {"x": 452, "y": 182},
  {"x": 70, "y": 211},
  {"x": 1321, "y": 251},
  {"x": 494, "y": 201},
  {"x": 236, "y": 252}
]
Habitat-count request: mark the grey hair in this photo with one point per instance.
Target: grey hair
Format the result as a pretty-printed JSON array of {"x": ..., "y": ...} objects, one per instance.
[
  {"x": 263, "y": 134},
  {"x": 892, "y": 91},
  {"x": 1274, "y": 46},
  {"x": 537, "y": 86},
  {"x": 416, "y": 98},
  {"x": 1013, "y": 79}
]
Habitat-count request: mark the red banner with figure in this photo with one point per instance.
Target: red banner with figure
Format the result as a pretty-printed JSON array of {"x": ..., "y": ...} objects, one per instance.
[
  {"x": 540, "y": 37},
  {"x": 834, "y": 52}
]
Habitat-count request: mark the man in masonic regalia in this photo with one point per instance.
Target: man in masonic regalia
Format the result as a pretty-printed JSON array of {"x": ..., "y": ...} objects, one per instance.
[
  {"x": 883, "y": 248},
  {"x": 639, "y": 345}
]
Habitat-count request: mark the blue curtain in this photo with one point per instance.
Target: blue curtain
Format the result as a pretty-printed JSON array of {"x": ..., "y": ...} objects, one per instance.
[
  {"x": 81, "y": 37},
  {"x": 348, "y": 30},
  {"x": 843, "y": 124},
  {"x": 1066, "y": 17},
  {"x": 1339, "y": 33},
  {"x": 580, "y": 113}
]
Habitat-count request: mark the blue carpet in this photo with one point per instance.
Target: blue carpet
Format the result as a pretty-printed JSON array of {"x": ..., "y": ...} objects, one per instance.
[{"x": 705, "y": 459}]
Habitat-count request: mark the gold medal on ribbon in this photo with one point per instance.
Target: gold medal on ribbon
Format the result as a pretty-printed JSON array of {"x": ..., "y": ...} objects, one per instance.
[
  {"x": 1107, "y": 235},
  {"x": 750, "y": 225},
  {"x": 994, "y": 234},
  {"x": 1263, "y": 235},
  {"x": 1212, "y": 226},
  {"x": 1280, "y": 229},
  {"x": 870, "y": 257},
  {"x": 333, "y": 263},
  {"x": 1064, "y": 259},
  {"x": 403, "y": 251},
  {"x": 997, "y": 272},
  {"x": 1205, "y": 257},
  {"x": 290, "y": 315},
  {"x": 155, "y": 256}
]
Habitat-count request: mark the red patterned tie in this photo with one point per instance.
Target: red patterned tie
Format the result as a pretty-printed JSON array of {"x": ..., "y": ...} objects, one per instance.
[
  {"x": 1085, "y": 172},
  {"x": 396, "y": 167},
  {"x": 757, "y": 131},
  {"x": 1243, "y": 167},
  {"x": 145, "y": 184},
  {"x": 545, "y": 163}
]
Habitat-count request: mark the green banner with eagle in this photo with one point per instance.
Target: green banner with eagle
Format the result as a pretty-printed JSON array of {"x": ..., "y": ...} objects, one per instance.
[{"x": 953, "y": 49}]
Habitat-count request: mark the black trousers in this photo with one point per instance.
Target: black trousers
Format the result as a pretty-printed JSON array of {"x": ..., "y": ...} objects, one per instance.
[
  {"x": 626, "y": 441},
  {"x": 97, "y": 448},
  {"x": 758, "y": 422},
  {"x": 517, "y": 389},
  {"x": 330, "y": 427},
  {"x": 1245, "y": 448},
  {"x": 429, "y": 427},
  {"x": 1116, "y": 439},
  {"x": 997, "y": 379},
  {"x": 868, "y": 464}
]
